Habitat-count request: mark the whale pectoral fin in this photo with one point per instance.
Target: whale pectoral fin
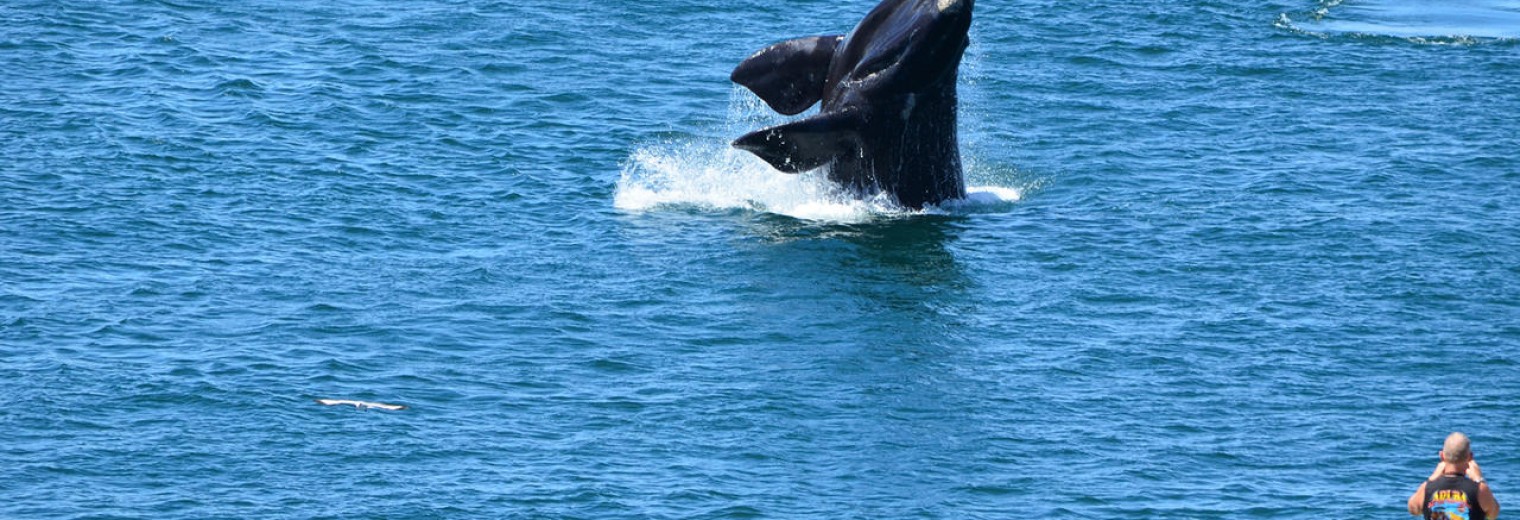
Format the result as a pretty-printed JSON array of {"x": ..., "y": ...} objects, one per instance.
[
  {"x": 803, "y": 145},
  {"x": 789, "y": 76}
]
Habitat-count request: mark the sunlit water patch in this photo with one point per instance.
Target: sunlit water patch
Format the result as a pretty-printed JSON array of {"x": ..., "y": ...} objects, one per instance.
[{"x": 1443, "y": 20}]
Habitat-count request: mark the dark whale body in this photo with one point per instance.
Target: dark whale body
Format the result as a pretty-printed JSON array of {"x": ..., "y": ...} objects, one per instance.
[{"x": 887, "y": 122}]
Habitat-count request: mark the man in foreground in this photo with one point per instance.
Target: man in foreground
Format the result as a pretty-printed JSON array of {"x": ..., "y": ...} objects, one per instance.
[{"x": 1456, "y": 489}]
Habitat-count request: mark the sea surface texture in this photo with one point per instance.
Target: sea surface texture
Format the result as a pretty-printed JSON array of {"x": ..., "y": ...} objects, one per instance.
[{"x": 1220, "y": 260}]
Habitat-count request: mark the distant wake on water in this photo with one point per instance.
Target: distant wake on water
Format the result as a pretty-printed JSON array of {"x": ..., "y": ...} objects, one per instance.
[
  {"x": 1440, "y": 22},
  {"x": 707, "y": 173}
]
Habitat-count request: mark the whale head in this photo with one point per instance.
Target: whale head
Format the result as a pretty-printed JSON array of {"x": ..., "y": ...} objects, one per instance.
[{"x": 905, "y": 44}]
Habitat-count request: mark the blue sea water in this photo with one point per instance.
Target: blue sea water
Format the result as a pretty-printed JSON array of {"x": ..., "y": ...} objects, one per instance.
[{"x": 1222, "y": 260}]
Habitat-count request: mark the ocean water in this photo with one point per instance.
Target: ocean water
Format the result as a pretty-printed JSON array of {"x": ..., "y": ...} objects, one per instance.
[{"x": 1221, "y": 260}]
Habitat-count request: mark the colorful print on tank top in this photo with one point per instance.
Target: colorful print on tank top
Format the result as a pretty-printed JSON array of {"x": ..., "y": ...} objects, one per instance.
[{"x": 1448, "y": 504}]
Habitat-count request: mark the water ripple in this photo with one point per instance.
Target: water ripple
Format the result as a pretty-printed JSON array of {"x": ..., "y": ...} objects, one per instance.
[{"x": 1221, "y": 258}]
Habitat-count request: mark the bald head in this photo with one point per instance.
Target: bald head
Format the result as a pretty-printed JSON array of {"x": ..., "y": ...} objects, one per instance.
[{"x": 1458, "y": 449}]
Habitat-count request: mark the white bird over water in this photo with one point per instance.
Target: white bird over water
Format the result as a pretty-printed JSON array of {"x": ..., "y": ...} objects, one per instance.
[{"x": 361, "y": 404}]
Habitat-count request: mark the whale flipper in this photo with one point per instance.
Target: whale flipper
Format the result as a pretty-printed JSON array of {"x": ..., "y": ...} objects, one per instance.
[
  {"x": 789, "y": 76},
  {"x": 806, "y": 144}
]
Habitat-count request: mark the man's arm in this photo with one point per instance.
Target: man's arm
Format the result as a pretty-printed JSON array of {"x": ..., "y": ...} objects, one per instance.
[
  {"x": 1485, "y": 494},
  {"x": 1487, "y": 500},
  {"x": 1417, "y": 500}
]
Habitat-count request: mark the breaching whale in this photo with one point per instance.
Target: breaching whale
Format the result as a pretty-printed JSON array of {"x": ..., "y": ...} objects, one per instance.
[{"x": 887, "y": 119}]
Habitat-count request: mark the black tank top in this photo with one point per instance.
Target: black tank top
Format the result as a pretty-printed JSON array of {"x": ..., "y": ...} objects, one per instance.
[{"x": 1452, "y": 497}]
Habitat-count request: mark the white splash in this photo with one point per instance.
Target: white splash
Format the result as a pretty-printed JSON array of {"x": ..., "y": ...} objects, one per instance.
[
  {"x": 711, "y": 175},
  {"x": 987, "y": 197},
  {"x": 707, "y": 173}
]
